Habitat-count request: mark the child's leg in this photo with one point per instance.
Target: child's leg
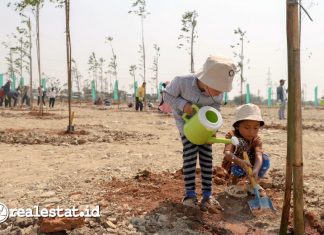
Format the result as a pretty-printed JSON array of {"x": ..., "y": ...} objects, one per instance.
[
  {"x": 206, "y": 166},
  {"x": 265, "y": 165},
  {"x": 189, "y": 166}
]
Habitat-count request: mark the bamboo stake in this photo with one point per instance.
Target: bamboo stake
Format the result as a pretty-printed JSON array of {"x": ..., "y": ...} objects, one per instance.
[{"x": 294, "y": 135}]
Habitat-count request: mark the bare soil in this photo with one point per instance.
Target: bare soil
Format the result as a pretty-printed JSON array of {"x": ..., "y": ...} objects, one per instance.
[{"x": 129, "y": 163}]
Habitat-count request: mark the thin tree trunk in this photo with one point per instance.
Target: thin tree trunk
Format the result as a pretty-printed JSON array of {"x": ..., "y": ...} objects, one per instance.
[
  {"x": 78, "y": 84},
  {"x": 144, "y": 64},
  {"x": 38, "y": 60},
  {"x": 69, "y": 61},
  {"x": 95, "y": 78},
  {"x": 21, "y": 60},
  {"x": 157, "y": 79},
  {"x": 134, "y": 85},
  {"x": 192, "y": 70},
  {"x": 294, "y": 135},
  {"x": 12, "y": 73},
  {"x": 242, "y": 78},
  {"x": 31, "y": 96},
  {"x": 143, "y": 45},
  {"x": 101, "y": 79}
]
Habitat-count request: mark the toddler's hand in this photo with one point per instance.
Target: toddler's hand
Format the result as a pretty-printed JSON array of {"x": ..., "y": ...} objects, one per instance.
[
  {"x": 255, "y": 174},
  {"x": 245, "y": 165},
  {"x": 228, "y": 136},
  {"x": 188, "y": 108}
]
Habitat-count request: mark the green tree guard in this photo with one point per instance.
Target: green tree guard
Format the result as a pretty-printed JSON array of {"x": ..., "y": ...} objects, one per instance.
[
  {"x": 316, "y": 96},
  {"x": 13, "y": 83},
  {"x": 116, "y": 90},
  {"x": 159, "y": 91},
  {"x": 1, "y": 79},
  {"x": 93, "y": 91},
  {"x": 269, "y": 97},
  {"x": 247, "y": 97},
  {"x": 22, "y": 82},
  {"x": 225, "y": 98},
  {"x": 43, "y": 82}
]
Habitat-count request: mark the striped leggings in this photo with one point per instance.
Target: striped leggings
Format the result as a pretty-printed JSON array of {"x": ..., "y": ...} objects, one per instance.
[{"x": 190, "y": 152}]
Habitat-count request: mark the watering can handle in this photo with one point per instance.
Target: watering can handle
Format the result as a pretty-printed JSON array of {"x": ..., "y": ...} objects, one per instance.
[
  {"x": 246, "y": 158},
  {"x": 184, "y": 116}
]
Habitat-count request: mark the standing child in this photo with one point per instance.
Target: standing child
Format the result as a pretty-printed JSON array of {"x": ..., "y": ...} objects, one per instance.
[
  {"x": 248, "y": 121},
  {"x": 204, "y": 88}
]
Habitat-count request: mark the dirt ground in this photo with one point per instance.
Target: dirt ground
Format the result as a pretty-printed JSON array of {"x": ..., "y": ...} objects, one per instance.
[{"x": 129, "y": 164}]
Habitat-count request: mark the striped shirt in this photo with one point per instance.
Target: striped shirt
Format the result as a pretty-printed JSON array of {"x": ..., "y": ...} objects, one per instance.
[{"x": 184, "y": 89}]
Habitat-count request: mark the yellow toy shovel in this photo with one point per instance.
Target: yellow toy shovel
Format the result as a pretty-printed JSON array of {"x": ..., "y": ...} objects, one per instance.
[{"x": 258, "y": 202}]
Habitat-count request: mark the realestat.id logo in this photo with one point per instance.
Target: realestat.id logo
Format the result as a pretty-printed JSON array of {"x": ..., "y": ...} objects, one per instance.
[{"x": 4, "y": 212}]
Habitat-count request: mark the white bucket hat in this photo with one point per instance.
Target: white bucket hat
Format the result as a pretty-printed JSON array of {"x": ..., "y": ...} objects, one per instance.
[
  {"x": 217, "y": 73},
  {"x": 248, "y": 112}
]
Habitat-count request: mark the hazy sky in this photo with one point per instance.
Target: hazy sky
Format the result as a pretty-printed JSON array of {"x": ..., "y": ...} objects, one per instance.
[{"x": 92, "y": 20}]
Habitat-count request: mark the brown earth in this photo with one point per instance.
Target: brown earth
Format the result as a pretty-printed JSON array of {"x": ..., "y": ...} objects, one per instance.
[{"x": 128, "y": 163}]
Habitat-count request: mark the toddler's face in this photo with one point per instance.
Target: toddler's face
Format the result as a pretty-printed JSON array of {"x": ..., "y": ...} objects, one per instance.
[{"x": 249, "y": 129}]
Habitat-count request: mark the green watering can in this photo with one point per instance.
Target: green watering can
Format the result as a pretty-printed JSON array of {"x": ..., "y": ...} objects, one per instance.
[{"x": 203, "y": 125}]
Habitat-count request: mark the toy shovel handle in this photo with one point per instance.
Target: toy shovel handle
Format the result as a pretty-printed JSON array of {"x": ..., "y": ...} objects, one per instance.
[
  {"x": 184, "y": 116},
  {"x": 246, "y": 158}
]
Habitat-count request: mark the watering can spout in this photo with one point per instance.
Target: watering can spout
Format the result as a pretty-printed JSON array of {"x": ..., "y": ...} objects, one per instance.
[{"x": 233, "y": 140}]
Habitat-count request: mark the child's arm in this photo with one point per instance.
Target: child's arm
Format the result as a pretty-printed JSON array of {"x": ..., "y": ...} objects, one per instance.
[
  {"x": 172, "y": 95},
  {"x": 229, "y": 156},
  {"x": 188, "y": 108},
  {"x": 257, "y": 143},
  {"x": 257, "y": 165}
]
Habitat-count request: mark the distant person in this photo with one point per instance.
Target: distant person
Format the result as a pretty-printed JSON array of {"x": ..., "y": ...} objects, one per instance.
[
  {"x": 164, "y": 107},
  {"x": 41, "y": 94},
  {"x": 8, "y": 94},
  {"x": 2, "y": 96},
  {"x": 6, "y": 87},
  {"x": 139, "y": 99},
  {"x": 98, "y": 101},
  {"x": 281, "y": 98},
  {"x": 11, "y": 95},
  {"x": 24, "y": 95},
  {"x": 52, "y": 97},
  {"x": 248, "y": 121},
  {"x": 204, "y": 88},
  {"x": 161, "y": 94}
]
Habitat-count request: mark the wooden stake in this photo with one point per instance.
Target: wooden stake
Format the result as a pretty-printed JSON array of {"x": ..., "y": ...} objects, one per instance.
[{"x": 294, "y": 135}]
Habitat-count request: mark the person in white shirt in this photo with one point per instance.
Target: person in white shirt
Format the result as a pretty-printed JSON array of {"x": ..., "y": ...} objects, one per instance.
[{"x": 52, "y": 96}]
